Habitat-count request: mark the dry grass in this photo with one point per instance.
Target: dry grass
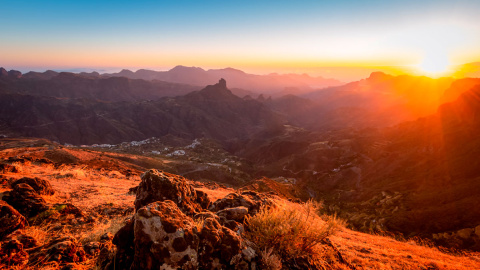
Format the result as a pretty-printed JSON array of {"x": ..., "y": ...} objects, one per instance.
[
  {"x": 107, "y": 226},
  {"x": 88, "y": 189},
  {"x": 366, "y": 251},
  {"x": 82, "y": 186},
  {"x": 292, "y": 230}
]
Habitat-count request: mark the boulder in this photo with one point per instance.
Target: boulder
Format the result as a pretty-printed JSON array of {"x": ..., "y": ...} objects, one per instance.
[
  {"x": 236, "y": 213},
  {"x": 41, "y": 186},
  {"x": 164, "y": 238},
  {"x": 233, "y": 225},
  {"x": 10, "y": 219},
  {"x": 163, "y": 235},
  {"x": 12, "y": 254},
  {"x": 218, "y": 245},
  {"x": 26, "y": 200},
  {"x": 249, "y": 199},
  {"x": 160, "y": 186}
]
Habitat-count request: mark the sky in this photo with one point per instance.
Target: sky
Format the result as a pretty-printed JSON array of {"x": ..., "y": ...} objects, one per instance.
[{"x": 255, "y": 36}]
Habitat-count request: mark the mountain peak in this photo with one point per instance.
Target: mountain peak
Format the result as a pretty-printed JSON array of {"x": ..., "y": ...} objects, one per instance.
[
  {"x": 218, "y": 90},
  {"x": 126, "y": 72},
  {"x": 228, "y": 70},
  {"x": 222, "y": 83},
  {"x": 184, "y": 68},
  {"x": 3, "y": 72},
  {"x": 12, "y": 73}
]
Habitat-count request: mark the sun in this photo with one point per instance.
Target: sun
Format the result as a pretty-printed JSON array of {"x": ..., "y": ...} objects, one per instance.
[{"x": 434, "y": 66}]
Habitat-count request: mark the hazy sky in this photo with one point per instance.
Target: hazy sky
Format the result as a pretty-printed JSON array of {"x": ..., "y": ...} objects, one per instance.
[{"x": 250, "y": 35}]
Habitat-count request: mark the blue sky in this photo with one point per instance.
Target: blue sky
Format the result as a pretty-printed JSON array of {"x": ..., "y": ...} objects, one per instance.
[{"x": 244, "y": 34}]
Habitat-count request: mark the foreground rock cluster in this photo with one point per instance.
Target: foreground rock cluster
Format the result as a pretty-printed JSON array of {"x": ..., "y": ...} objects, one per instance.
[
  {"x": 178, "y": 227},
  {"x": 23, "y": 206},
  {"x": 175, "y": 226}
]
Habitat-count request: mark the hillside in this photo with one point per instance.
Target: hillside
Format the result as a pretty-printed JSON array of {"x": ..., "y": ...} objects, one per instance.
[
  {"x": 416, "y": 178},
  {"x": 93, "y": 196},
  {"x": 380, "y": 100},
  {"x": 213, "y": 112}
]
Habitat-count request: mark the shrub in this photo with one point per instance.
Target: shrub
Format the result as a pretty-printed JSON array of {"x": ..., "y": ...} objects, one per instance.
[{"x": 292, "y": 231}]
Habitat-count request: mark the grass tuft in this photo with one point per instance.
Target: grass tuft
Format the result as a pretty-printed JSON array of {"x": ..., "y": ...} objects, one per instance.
[{"x": 293, "y": 230}]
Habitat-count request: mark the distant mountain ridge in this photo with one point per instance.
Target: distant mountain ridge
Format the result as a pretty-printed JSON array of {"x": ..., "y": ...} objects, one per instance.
[
  {"x": 88, "y": 86},
  {"x": 272, "y": 84}
]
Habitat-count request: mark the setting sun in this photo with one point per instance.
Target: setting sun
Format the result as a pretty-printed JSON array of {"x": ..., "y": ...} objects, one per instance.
[{"x": 434, "y": 66}]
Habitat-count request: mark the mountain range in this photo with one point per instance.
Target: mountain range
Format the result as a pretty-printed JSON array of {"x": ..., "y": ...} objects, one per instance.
[
  {"x": 272, "y": 84},
  {"x": 387, "y": 153},
  {"x": 213, "y": 112}
]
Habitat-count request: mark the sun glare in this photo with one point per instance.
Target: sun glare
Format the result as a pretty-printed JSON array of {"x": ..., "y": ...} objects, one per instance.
[{"x": 434, "y": 66}]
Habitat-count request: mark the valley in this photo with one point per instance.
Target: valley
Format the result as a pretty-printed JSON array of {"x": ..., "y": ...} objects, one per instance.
[{"x": 379, "y": 155}]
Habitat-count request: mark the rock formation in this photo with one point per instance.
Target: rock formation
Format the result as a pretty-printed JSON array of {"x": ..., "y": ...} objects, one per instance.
[
  {"x": 172, "y": 228},
  {"x": 161, "y": 186},
  {"x": 41, "y": 186},
  {"x": 10, "y": 219},
  {"x": 26, "y": 200}
]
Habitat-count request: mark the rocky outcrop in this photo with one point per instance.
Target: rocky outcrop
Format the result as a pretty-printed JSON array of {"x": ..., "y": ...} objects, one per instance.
[
  {"x": 26, "y": 200},
  {"x": 219, "y": 245},
  {"x": 10, "y": 219},
  {"x": 164, "y": 238},
  {"x": 163, "y": 235},
  {"x": 41, "y": 186},
  {"x": 249, "y": 199},
  {"x": 237, "y": 213},
  {"x": 161, "y": 186}
]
